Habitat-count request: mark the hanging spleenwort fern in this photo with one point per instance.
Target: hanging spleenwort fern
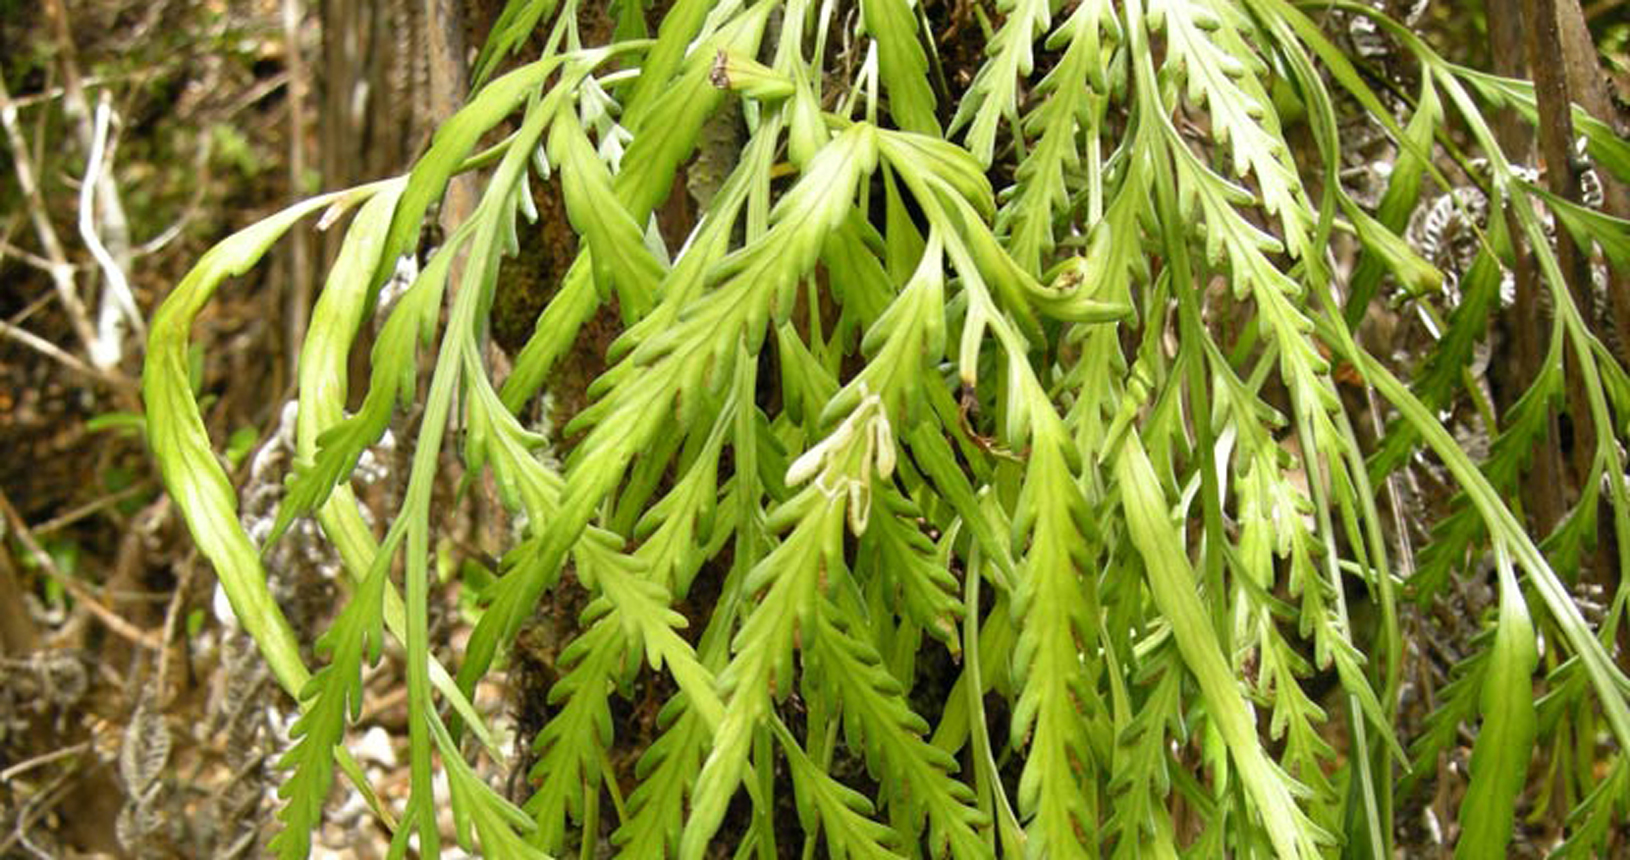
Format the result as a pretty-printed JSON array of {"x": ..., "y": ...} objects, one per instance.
[{"x": 1015, "y": 424}]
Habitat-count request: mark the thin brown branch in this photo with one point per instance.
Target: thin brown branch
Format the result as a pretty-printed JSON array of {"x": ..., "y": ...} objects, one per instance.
[
  {"x": 1563, "y": 173},
  {"x": 80, "y": 592},
  {"x": 300, "y": 280},
  {"x": 1587, "y": 85},
  {"x": 50, "y": 350},
  {"x": 1555, "y": 127},
  {"x": 43, "y": 759},
  {"x": 172, "y": 614},
  {"x": 1543, "y": 495},
  {"x": 89, "y": 508}
]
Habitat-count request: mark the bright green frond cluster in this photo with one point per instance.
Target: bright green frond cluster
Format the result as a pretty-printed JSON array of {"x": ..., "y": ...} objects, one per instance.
[{"x": 976, "y": 471}]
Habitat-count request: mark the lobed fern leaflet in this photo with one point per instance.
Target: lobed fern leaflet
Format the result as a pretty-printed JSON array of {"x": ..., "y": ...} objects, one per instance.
[
  {"x": 335, "y": 696},
  {"x": 916, "y": 777}
]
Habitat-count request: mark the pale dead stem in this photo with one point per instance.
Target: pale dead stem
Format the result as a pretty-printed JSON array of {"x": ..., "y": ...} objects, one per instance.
[
  {"x": 118, "y": 302},
  {"x": 102, "y": 227},
  {"x": 55, "y": 262},
  {"x": 107, "y": 227},
  {"x": 49, "y": 350}
]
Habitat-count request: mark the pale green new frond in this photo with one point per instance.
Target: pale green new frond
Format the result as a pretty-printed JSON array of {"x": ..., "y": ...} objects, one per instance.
[
  {"x": 175, "y": 431},
  {"x": 414, "y": 319},
  {"x": 336, "y": 321},
  {"x": 202, "y": 492},
  {"x": 1171, "y": 583},
  {"x": 1499, "y": 764}
]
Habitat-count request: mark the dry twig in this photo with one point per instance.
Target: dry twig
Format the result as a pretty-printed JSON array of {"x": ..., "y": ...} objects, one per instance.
[
  {"x": 56, "y": 258},
  {"x": 118, "y": 302},
  {"x": 73, "y": 586}
]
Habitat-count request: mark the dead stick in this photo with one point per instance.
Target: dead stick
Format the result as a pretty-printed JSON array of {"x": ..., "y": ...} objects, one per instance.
[{"x": 73, "y": 586}]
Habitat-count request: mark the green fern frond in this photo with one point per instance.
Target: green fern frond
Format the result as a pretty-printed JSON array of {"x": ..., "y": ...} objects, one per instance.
[
  {"x": 1070, "y": 111},
  {"x": 903, "y": 64},
  {"x": 335, "y": 696},
  {"x": 571, "y": 745},
  {"x": 1058, "y": 715},
  {"x": 1220, "y": 68},
  {"x": 993, "y": 95},
  {"x": 1499, "y": 763},
  {"x": 841, "y": 814},
  {"x": 1591, "y": 823},
  {"x": 412, "y": 323},
  {"x": 1139, "y": 824},
  {"x": 495, "y": 821},
  {"x": 1171, "y": 584},
  {"x": 761, "y": 669},
  {"x": 916, "y": 778},
  {"x": 1091, "y": 345},
  {"x": 915, "y": 580}
]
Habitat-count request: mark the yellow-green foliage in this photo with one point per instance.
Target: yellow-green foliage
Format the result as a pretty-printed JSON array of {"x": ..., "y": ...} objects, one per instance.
[{"x": 998, "y": 364}]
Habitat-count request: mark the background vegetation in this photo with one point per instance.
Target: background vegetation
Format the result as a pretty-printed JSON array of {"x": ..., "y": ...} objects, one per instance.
[{"x": 961, "y": 429}]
